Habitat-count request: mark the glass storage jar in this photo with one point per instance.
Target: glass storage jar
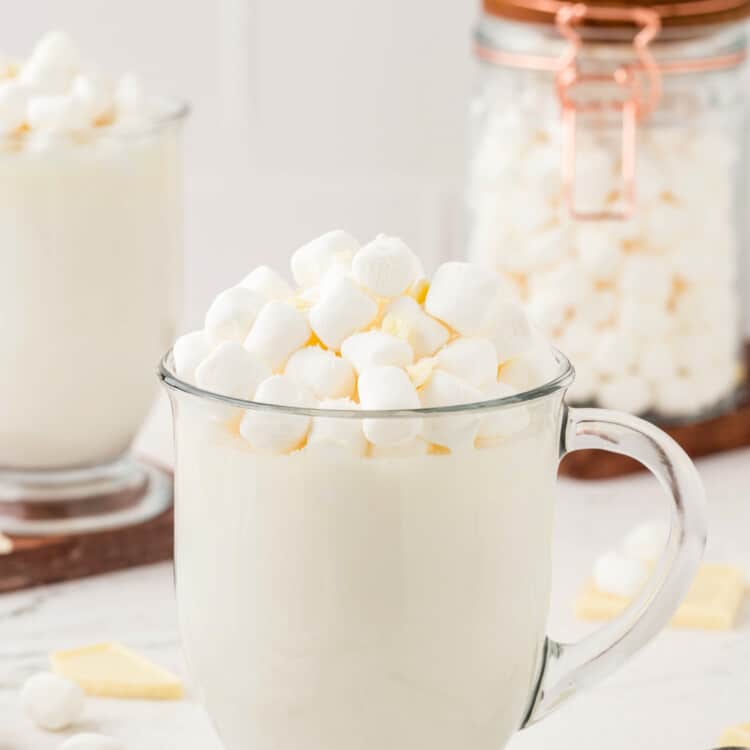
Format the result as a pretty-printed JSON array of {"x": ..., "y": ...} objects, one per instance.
[{"x": 607, "y": 181}]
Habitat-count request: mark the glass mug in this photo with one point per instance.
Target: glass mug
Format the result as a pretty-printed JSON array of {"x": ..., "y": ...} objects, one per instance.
[
  {"x": 90, "y": 244},
  {"x": 333, "y": 601}
]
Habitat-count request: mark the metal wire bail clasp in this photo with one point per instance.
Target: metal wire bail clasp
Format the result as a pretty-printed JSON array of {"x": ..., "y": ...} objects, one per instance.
[{"x": 631, "y": 98}]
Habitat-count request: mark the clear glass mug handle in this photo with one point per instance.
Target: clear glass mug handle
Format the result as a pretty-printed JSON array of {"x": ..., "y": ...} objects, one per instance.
[{"x": 570, "y": 667}]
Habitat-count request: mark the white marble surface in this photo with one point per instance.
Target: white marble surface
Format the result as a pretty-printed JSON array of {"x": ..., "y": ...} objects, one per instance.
[{"x": 677, "y": 693}]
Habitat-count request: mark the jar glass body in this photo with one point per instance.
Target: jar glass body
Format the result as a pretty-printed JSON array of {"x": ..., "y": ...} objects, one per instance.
[{"x": 648, "y": 307}]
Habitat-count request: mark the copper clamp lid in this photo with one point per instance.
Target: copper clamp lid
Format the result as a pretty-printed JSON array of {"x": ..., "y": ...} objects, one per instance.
[{"x": 671, "y": 13}]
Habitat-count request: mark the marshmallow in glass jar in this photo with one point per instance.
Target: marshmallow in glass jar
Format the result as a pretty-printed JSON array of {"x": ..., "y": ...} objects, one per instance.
[
  {"x": 90, "y": 226},
  {"x": 618, "y": 212},
  {"x": 365, "y": 476}
]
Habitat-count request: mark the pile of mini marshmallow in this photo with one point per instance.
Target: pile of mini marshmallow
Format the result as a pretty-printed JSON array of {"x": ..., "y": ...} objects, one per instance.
[
  {"x": 54, "y": 704},
  {"x": 365, "y": 330},
  {"x": 624, "y": 573},
  {"x": 648, "y": 308},
  {"x": 55, "y": 96}
]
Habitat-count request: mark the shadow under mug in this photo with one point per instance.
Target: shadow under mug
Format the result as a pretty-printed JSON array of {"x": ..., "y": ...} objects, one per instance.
[{"x": 400, "y": 600}]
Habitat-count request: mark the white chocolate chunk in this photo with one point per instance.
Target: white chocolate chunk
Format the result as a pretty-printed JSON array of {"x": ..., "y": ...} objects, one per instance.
[
  {"x": 455, "y": 431},
  {"x": 341, "y": 434},
  {"x": 646, "y": 541},
  {"x": 343, "y": 310},
  {"x": 91, "y": 741},
  {"x": 271, "y": 432},
  {"x": 231, "y": 370},
  {"x": 619, "y": 575},
  {"x": 406, "y": 320},
  {"x": 232, "y": 314},
  {"x": 188, "y": 352},
  {"x": 474, "y": 360},
  {"x": 503, "y": 421},
  {"x": 386, "y": 266},
  {"x": 271, "y": 284},
  {"x": 461, "y": 294},
  {"x": 321, "y": 372},
  {"x": 376, "y": 349},
  {"x": 313, "y": 259},
  {"x": 278, "y": 331},
  {"x": 51, "y": 702},
  {"x": 383, "y": 388}
]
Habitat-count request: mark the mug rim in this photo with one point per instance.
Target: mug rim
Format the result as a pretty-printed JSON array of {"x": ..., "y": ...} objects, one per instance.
[{"x": 563, "y": 379}]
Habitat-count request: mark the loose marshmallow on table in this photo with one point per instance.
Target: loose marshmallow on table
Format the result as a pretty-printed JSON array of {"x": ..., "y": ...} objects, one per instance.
[
  {"x": 232, "y": 314},
  {"x": 322, "y": 372},
  {"x": 376, "y": 349},
  {"x": 51, "y": 702},
  {"x": 343, "y": 310},
  {"x": 272, "y": 285},
  {"x": 312, "y": 260},
  {"x": 278, "y": 331},
  {"x": 232, "y": 371},
  {"x": 620, "y": 575},
  {"x": 383, "y": 388},
  {"x": 340, "y": 434},
  {"x": 270, "y": 432},
  {"x": 386, "y": 266},
  {"x": 646, "y": 542},
  {"x": 91, "y": 741}
]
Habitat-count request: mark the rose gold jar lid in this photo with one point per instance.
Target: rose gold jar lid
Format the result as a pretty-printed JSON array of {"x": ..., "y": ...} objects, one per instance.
[{"x": 673, "y": 13}]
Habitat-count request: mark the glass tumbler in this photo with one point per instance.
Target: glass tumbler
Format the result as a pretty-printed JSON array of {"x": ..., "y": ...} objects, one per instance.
[
  {"x": 397, "y": 597},
  {"x": 90, "y": 245}
]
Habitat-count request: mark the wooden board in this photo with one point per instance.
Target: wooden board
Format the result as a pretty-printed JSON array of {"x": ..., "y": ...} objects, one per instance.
[
  {"x": 38, "y": 560},
  {"x": 722, "y": 433}
]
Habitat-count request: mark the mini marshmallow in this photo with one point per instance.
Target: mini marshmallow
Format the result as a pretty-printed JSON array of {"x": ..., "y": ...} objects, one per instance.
[
  {"x": 94, "y": 93},
  {"x": 376, "y": 349},
  {"x": 544, "y": 248},
  {"x": 613, "y": 353},
  {"x": 270, "y": 432},
  {"x": 644, "y": 319},
  {"x": 598, "y": 253},
  {"x": 474, "y": 360},
  {"x": 646, "y": 542},
  {"x": 503, "y": 421},
  {"x": 278, "y": 331},
  {"x": 619, "y": 575},
  {"x": 386, "y": 266},
  {"x": 344, "y": 434},
  {"x": 598, "y": 307},
  {"x": 128, "y": 97},
  {"x": 548, "y": 313},
  {"x": 406, "y": 320},
  {"x": 626, "y": 393},
  {"x": 676, "y": 396},
  {"x": 313, "y": 259},
  {"x": 531, "y": 369},
  {"x": 655, "y": 361},
  {"x": 188, "y": 352},
  {"x": 91, "y": 741},
  {"x": 565, "y": 284},
  {"x": 272, "y": 285},
  {"x": 578, "y": 338},
  {"x": 51, "y": 702},
  {"x": 455, "y": 431},
  {"x": 388, "y": 388},
  {"x": 231, "y": 370},
  {"x": 646, "y": 277},
  {"x": 460, "y": 295},
  {"x": 342, "y": 310},
  {"x": 14, "y": 99},
  {"x": 584, "y": 387},
  {"x": 56, "y": 113},
  {"x": 507, "y": 326},
  {"x": 53, "y": 63},
  {"x": 232, "y": 314},
  {"x": 322, "y": 372}
]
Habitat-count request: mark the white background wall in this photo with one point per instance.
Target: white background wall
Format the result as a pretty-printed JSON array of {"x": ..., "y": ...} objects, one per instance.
[{"x": 306, "y": 116}]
